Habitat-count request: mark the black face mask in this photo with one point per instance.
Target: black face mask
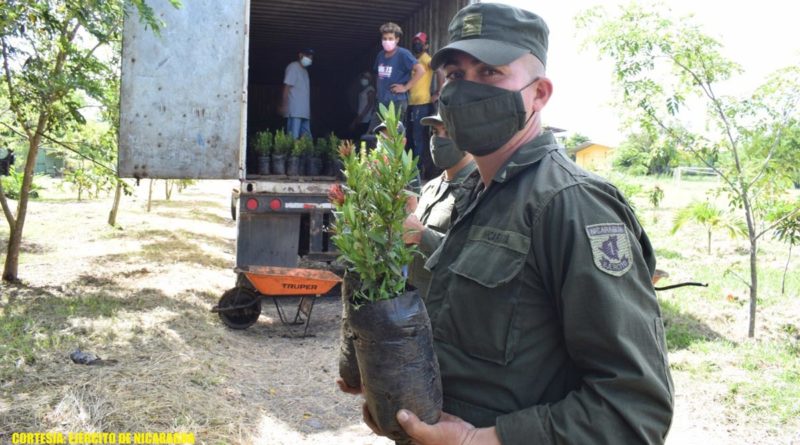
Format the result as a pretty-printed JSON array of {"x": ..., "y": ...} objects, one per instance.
[
  {"x": 417, "y": 47},
  {"x": 444, "y": 152},
  {"x": 482, "y": 118}
]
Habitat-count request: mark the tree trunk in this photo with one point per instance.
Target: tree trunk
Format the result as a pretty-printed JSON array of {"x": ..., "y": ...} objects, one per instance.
[
  {"x": 150, "y": 196},
  {"x": 751, "y": 230},
  {"x": 11, "y": 268},
  {"x": 786, "y": 269},
  {"x": 112, "y": 215},
  {"x": 709, "y": 242},
  {"x": 168, "y": 189},
  {"x": 751, "y": 330}
]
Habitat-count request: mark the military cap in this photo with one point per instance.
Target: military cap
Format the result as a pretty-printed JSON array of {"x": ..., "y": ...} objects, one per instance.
[{"x": 496, "y": 34}]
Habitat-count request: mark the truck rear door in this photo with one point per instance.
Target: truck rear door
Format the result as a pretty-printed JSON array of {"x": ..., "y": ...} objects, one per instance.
[{"x": 183, "y": 95}]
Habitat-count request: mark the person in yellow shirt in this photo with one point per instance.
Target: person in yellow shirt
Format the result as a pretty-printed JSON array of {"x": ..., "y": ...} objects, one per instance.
[{"x": 420, "y": 104}]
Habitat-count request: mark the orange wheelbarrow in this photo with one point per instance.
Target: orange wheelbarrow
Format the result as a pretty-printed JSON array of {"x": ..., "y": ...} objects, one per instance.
[{"x": 240, "y": 307}]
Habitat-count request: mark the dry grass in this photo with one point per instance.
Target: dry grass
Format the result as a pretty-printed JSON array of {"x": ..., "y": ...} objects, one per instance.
[{"x": 141, "y": 295}]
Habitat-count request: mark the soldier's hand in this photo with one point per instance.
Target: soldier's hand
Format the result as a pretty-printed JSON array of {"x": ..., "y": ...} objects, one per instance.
[
  {"x": 450, "y": 430},
  {"x": 412, "y": 229},
  {"x": 411, "y": 203},
  {"x": 347, "y": 389}
]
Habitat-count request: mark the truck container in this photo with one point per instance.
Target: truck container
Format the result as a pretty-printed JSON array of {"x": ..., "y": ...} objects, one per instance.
[{"x": 194, "y": 95}]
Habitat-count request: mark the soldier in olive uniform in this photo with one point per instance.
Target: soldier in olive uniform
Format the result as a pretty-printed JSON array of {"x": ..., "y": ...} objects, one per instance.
[
  {"x": 545, "y": 321},
  {"x": 442, "y": 198}
]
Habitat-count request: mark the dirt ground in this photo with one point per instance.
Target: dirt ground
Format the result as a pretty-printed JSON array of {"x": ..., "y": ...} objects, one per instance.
[{"x": 141, "y": 294}]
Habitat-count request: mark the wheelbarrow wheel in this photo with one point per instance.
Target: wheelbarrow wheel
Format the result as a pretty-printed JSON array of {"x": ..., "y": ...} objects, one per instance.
[{"x": 239, "y": 308}]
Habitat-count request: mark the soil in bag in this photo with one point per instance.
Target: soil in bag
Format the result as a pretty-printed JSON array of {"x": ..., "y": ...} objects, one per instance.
[
  {"x": 348, "y": 365},
  {"x": 396, "y": 360}
]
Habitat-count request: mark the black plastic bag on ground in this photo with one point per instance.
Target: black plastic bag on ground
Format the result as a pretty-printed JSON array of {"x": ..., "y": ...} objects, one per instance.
[{"x": 396, "y": 360}]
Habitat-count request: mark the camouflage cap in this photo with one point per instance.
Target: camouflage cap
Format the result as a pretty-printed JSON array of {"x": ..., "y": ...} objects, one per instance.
[
  {"x": 496, "y": 34},
  {"x": 430, "y": 121},
  {"x": 382, "y": 126}
]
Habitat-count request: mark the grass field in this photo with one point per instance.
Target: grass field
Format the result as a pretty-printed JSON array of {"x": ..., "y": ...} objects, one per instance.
[{"x": 141, "y": 293}]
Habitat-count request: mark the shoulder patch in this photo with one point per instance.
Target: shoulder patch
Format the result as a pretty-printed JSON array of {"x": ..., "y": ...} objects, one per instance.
[{"x": 611, "y": 248}]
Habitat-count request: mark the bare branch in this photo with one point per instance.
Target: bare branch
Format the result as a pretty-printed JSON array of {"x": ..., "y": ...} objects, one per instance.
[
  {"x": 736, "y": 275},
  {"x": 709, "y": 92},
  {"x": 772, "y": 150}
]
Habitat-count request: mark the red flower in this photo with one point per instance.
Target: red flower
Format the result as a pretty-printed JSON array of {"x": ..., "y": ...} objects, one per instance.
[
  {"x": 336, "y": 194},
  {"x": 345, "y": 149}
]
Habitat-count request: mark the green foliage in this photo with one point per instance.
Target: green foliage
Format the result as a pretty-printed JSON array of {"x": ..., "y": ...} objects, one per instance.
[
  {"x": 775, "y": 396},
  {"x": 645, "y": 153},
  {"x": 710, "y": 217},
  {"x": 575, "y": 140},
  {"x": 660, "y": 63},
  {"x": 370, "y": 211},
  {"x": 321, "y": 147},
  {"x": 183, "y": 184},
  {"x": 282, "y": 143},
  {"x": 333, "y": 145},
  {"x": 264, "y": 143},
  {"x": 628, "y": 188},
  {"x": 302, "y": 146},
  {"x": 12, "y": 184},
  {"x": 655, "y": 196},
  {"x": 787, "y": 216}
]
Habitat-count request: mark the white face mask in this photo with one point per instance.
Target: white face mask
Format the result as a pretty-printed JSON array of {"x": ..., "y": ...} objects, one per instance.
[
  {"x": 364, "y": 82},
  {"x": 305, "y": 61}
]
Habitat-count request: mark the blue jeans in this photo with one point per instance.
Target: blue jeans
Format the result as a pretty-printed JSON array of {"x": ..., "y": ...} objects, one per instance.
[
  {"x": 419, "y": 137},
  {"x": 298, "y": 126}
]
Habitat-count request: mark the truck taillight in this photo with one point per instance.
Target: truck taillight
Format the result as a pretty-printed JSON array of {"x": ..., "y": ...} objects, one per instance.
[
  {"x": 252, "y": 204},
  {"x": 275, "y": 204}
]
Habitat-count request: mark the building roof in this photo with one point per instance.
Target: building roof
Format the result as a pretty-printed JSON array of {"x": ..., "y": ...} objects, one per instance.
[{"x": 574, "y": 150}]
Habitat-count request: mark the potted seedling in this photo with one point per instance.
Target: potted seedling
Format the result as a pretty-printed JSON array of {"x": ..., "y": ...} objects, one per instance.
[
  {"x": 264, "y": 142},
  {"x": 336, "y": 164},
  {"x": 281, "y": 147},
  {"x": 293, "y": 163},
  {"x": 386, "y": 324},
  {"x": 314, "y": 160}
]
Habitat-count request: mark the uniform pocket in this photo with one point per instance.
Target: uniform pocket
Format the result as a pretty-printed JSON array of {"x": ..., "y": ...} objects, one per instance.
[{"x": 478, "y": 315}]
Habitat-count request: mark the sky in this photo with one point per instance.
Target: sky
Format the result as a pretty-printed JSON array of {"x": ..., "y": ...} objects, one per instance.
[{"x": 761, "y": 36}]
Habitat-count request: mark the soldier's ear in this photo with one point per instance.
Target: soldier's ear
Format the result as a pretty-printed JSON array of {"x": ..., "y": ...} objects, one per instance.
[{"x": 543, "y": 89}]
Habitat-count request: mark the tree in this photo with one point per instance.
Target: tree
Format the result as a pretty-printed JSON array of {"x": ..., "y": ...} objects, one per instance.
[
  {"x": 787, "y": 231},
  {"x": 646, "y": 153},
  {"x": 710, "y": 217},
  {"x": 50, "y": 65},
  {"x": 575, "y": 140},
  {"x": 665, "y": 68}
]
